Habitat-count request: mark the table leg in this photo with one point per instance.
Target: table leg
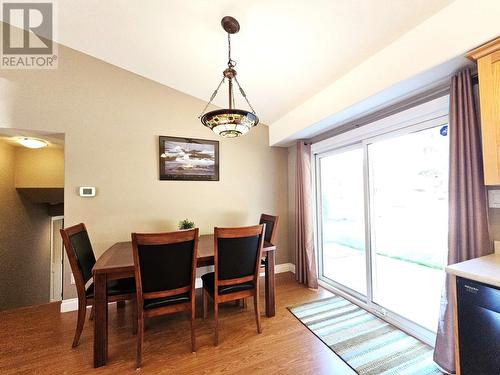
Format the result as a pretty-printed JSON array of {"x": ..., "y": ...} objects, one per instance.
[
  {"x": 100, "y": 320},
  {"x": 269, "y": 277}
]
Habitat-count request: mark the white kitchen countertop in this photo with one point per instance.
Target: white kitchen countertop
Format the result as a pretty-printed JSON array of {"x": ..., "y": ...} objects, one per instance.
[{"x": 483, "y": 269}]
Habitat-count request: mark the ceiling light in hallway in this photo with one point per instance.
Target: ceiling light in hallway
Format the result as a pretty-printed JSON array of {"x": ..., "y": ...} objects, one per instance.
[{"x": 32, "y": 142}]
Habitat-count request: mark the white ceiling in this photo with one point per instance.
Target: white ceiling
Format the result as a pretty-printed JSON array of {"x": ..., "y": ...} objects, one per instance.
[{"x": 286, "y": 50}]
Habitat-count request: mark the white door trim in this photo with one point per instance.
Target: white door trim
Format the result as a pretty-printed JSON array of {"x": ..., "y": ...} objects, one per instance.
[
  {"x": 424, "y": 112},
  {"x": 52, "y": 219}
]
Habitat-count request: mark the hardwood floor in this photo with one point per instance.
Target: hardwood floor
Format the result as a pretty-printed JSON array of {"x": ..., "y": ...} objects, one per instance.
[{"x": 38, "y": 340}]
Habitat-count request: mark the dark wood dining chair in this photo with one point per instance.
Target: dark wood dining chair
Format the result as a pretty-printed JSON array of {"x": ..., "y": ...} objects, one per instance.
[
  {"x": 269, "y": 237},
  {"x": 271, "y": 227},
  {"x": 82, "y": 259},
  {"x": 237, "y": 253},
  {"x": 165, "y": 272}
]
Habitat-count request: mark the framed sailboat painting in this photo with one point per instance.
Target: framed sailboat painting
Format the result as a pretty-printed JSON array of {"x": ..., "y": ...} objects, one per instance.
[{"x": 188, "y": 159}]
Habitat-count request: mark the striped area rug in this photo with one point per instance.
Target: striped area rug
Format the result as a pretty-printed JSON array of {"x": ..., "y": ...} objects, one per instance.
[{"x": 366, "y": 343}]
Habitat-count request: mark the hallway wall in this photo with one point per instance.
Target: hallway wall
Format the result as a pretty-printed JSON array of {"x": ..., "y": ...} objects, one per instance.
[{"x": 24, "y": 241}]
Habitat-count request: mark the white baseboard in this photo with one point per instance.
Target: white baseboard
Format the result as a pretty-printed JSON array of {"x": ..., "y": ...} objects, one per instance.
[
  {"x": 72, "y": 303},
  {"x": 285, "y": 267},
  {"x": 69, "y": 305}
]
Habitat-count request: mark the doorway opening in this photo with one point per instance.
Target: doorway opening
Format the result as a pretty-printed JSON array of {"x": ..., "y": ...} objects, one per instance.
[{"x": 31, "y": 213}]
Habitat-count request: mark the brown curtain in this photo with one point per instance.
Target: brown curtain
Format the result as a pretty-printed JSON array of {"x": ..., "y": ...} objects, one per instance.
[
  {"x": 468, "y": 227},
  {"x": 306, "y": 259}
]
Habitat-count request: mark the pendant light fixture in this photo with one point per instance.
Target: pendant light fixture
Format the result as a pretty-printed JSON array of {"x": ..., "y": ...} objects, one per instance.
[{"x": 229, "y": 122}]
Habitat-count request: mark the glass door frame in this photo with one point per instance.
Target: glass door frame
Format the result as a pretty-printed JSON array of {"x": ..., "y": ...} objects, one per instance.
[{"x": 424, "y": 116}]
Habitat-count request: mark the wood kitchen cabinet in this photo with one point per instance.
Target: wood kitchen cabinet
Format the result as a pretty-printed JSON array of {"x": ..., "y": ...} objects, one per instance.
[{"x": 488, "y": 65}]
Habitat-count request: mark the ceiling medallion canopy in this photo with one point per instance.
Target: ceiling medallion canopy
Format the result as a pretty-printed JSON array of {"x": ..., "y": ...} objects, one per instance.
[{"x": 229, "y": 122}]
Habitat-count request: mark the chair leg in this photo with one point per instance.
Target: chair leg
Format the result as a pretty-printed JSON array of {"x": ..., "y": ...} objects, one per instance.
[
  {"x": 140, "y": 341},
  {"x": 257, "y": 312},
  {"x": 92, "y": 312},
  {"x": 244, "y": 303},
  {"x": 216, "y": 319},
  {"x": 204, "y": 294},
  {"x": 82, "y": 310},
  {"x": 193, "y": 337},
  {"x": 134, "y": 316}
]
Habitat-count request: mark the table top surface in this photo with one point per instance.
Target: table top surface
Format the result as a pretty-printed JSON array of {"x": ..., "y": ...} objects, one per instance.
[{"x": 118, "y": 258}]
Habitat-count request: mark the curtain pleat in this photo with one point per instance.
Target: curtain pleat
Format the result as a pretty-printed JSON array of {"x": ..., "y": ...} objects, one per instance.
[{"x": 305, "y": 271}]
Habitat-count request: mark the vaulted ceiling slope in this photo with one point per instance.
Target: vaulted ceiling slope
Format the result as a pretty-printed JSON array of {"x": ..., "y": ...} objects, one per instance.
[
  {"x": 419, "y": 61},
  {"x": 286, "y": 50}
]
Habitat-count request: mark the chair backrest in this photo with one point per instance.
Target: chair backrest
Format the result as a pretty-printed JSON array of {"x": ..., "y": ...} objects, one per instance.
[
  {"x": 80, "y": 254},
  {"x": 237, "y": 253},
  {"x": 271, "y": 226},
  {"x": 165, "y": 263}
]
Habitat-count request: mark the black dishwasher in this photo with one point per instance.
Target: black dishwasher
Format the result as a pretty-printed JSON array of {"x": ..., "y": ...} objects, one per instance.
[{"x": 478, "y": 327}]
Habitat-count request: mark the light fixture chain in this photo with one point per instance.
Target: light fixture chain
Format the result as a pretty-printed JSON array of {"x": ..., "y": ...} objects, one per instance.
[
  {"x": 212, "y": 97},
  {"x": 230, "y": 62},
  {"x": 244, "y": 95}
]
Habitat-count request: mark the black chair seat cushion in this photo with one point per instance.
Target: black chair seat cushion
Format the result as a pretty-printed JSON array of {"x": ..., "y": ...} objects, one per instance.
[
  {"x": 166, "y": 301},
  {"x": 209, "y": 281},
  {"x": 115, "y": 287}
]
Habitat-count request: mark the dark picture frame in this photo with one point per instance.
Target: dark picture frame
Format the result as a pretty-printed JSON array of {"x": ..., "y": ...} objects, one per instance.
[{"x": 188, "y": 159}]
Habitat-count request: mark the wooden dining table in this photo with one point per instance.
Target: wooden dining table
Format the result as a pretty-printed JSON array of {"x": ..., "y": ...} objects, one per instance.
[{"x": 117, "y": 263}]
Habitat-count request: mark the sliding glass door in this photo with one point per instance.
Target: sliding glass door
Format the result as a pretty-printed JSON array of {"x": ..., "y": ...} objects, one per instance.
[
  {"x": 408, "y": 177},
  {"x": 342, "y": 217},
  {"x": 382, "y": 220}
]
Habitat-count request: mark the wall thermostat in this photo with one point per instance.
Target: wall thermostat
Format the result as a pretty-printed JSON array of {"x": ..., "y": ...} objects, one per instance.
[{"x": 87, "y": 191}]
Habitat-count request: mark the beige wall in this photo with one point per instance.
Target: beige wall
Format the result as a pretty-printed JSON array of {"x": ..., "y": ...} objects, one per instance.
[
  {"x": 39, "y": 167},
  {"x": 111, "y": 120},
  {"x": 24, "y": 241}
]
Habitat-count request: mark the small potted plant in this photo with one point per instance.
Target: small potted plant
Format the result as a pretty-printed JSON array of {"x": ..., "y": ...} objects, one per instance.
[{"x": 186, "y": 224}]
